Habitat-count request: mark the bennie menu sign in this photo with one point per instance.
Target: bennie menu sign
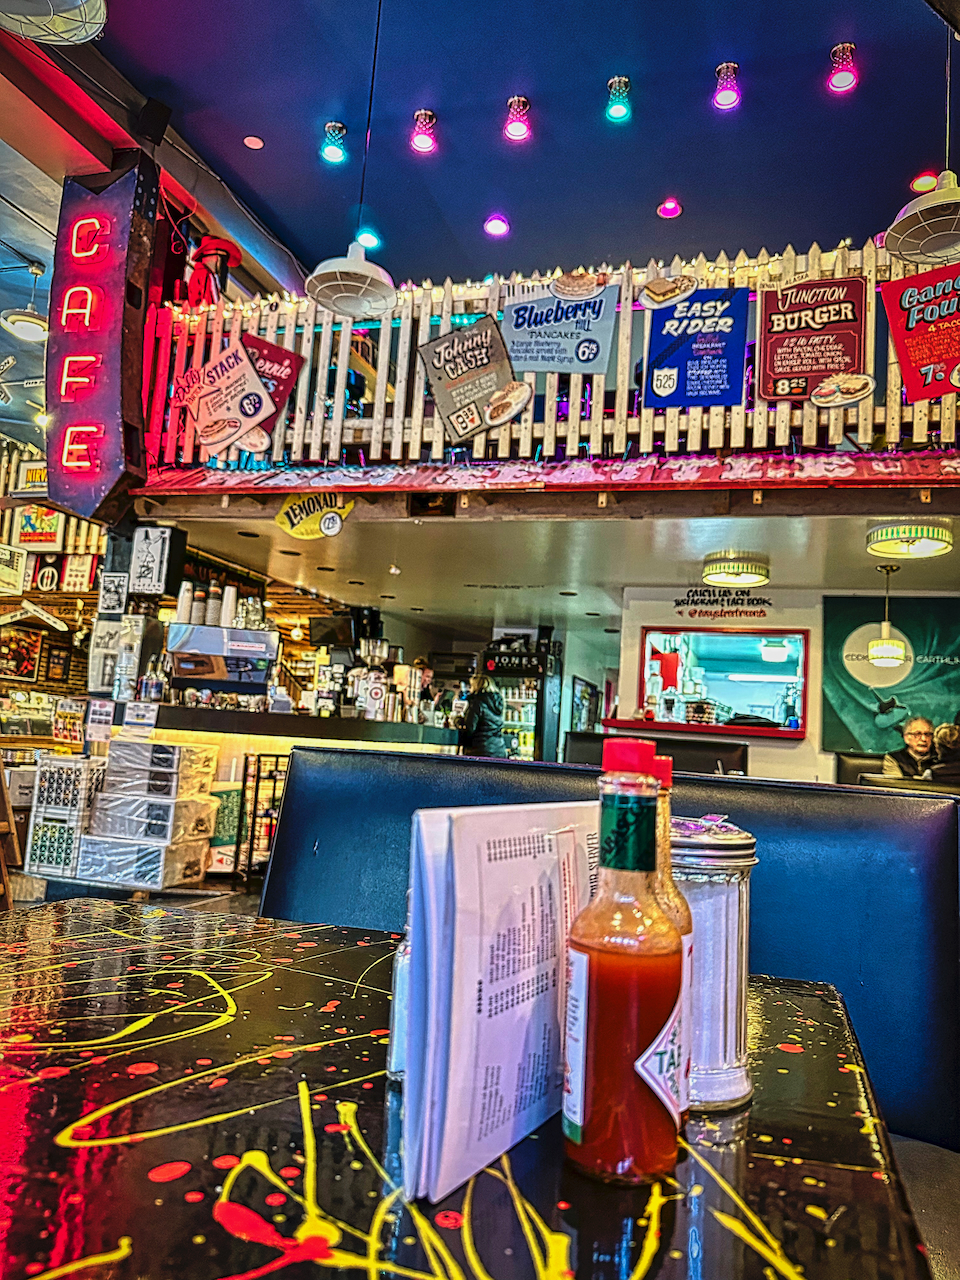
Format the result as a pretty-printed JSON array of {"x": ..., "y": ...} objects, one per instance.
[
  {"x": 924, "y": 316},
  {"x": 471, "y": 379},
  {"x": 813, "y": 333}
]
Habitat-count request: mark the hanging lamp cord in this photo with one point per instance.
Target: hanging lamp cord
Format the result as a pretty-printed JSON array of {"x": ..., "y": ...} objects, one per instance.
[
  {"x": 949, "y": 95},
  {"x": 366, "y": 141}
]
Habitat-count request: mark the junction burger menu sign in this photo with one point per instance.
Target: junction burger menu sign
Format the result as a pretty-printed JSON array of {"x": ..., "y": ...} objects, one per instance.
[
  {"x": 811, "y": 332},
  {"x": 925, "y": 326}
]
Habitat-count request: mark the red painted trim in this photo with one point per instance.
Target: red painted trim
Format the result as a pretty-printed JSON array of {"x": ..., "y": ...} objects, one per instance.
[{"x": 664, "y": 728}]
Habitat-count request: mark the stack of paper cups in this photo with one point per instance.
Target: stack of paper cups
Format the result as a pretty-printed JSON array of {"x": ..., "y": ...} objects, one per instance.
[
  {"x": 228, "y": 609},
  {"x": 185, "y": 601}
]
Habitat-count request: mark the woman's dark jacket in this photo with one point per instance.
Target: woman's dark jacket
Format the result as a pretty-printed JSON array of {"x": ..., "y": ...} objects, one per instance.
[{"x": 481, "y": 734}]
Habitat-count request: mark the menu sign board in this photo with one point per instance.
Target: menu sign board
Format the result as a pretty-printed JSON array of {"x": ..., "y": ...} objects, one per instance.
[
  {"x": 278, "y": 370},
  {"x": 472, "y": 380},
  {"x": 696, "y": 350},
  {"x": 925, "y": 326},
  {"x": 564, "y": 327},
  {"x": 809, "y": 333},
  {"x": 228, "y": 401}
]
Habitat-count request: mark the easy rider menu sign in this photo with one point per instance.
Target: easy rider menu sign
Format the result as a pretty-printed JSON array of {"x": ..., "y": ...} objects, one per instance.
[{"x": 696, "y": 350}]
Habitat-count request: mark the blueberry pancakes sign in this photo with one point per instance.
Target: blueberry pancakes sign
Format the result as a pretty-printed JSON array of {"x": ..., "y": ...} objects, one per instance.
[{"x": 472, "y": 380}]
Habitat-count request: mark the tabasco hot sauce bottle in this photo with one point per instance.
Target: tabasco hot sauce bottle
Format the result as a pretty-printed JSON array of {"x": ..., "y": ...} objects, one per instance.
[{"x": 624, "y": 1061}]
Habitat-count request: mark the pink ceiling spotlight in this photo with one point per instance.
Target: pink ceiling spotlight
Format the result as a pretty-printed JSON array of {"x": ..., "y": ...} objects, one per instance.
[
  {"x": 670, "y": 208},
  {"x": 517, "y": 126},
  {"x": 423, "y": 140},
  {"x": 726, "y": 96},
  {"x": 843, "y": 72},
  {"x": 496, "y": 225}
]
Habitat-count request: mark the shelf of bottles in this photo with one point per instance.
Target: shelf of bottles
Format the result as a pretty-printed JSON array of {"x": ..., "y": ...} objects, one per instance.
[{"x": 519, "y": 716}]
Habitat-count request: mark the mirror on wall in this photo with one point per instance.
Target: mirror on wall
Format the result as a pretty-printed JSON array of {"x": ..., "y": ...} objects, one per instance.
[{"x": 751, "y": 683}]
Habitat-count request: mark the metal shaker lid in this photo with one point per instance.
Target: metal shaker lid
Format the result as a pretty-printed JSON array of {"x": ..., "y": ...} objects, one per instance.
[{"x": 712, "y": 832}]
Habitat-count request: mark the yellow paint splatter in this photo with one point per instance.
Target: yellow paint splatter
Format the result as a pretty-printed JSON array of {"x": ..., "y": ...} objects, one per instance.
[
  {"x": 199, "y": 1239},
  {"x": 123, "y": 1250},
  {"x": 810, "y": 1182},
  {"x": 815, "y": 1211},
  {"x": 765, "y": 1137}
]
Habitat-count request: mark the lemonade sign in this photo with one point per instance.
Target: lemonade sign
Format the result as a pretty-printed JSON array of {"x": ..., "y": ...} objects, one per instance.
[{"x": 313, "y": 515}]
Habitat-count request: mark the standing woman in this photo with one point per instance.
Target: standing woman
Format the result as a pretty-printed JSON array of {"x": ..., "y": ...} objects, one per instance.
[{"x": 482, "y": 728}]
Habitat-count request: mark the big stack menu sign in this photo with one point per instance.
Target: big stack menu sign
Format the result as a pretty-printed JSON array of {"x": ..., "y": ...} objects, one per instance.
[
  {"x": 925, "y": 327},
  {"x": 95, "y": 348},
  {"x": 811, "y": 342}
]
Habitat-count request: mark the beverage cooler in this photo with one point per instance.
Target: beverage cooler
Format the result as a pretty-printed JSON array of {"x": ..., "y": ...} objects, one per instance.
[{"x": 530, "y": 680}]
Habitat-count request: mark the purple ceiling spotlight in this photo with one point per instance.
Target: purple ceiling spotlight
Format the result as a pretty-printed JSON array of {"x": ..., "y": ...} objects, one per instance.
[
  {"x": 496, "y": 225},
  {"x": 843, "y": 72},
  {"x": 727, "y": 93},
  {"x": 670, "y": 208},
  {"x": 517, "y": 125},
  {"x": 423, "y": 140}
]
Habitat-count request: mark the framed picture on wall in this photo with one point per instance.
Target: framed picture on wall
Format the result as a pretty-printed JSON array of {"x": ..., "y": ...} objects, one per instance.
[
  {"x": 58, "y": 664},
  {"x": 37, "y": 528},
  {"x": 20, "y": 653}
]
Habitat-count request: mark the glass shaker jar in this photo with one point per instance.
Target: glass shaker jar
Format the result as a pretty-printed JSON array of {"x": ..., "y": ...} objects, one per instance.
[{"x": 712, "y": 861}]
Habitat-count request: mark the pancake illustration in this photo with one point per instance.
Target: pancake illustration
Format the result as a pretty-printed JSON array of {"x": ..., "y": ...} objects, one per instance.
[
  {"x": 255, "y": 441},
  {"x": 506, "y": 403},
  {"x": 664, "y": 291},
  {"x": 842, "y": 389},
  {"x": 579, "y": 285}
]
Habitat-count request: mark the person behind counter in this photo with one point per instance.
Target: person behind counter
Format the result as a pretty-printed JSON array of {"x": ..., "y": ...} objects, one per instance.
[
  {"x": 917, "y": 753},
  {"x": 481, "y": 729},
  {"x": 946, "y": 740}
]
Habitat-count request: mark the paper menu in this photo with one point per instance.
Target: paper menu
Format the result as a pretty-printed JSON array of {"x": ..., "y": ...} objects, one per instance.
[{"x": 494, "y": 891}]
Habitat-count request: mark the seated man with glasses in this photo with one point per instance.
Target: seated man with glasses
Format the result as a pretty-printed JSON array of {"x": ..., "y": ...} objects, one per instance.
[{"x": 917, "y": 753}]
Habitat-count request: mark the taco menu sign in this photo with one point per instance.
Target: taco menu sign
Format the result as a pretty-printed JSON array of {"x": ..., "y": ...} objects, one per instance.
[
  {"x": 925, "y": 326},
  {"x": 472, "y": 380},
  {"x": 813, "y": 333}
]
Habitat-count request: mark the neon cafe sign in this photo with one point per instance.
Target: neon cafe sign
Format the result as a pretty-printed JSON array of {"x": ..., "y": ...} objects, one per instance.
[{"x": 95, "y": 349}]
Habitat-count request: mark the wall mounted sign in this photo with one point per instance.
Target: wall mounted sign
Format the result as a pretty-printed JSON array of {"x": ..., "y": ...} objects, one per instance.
[
  {"x": 925, "y": 327},
  {"x": 228, "y": 401},
  {"x": 95, "y": 348},
  {"x": 13, "y": 566},
  {"x": 314, "y": 515},
  {"x": 472, "y": 380},
  {"x": 31, "y": 479},
  {"x": 565, "y": 327},
  {"x": 696, "y": 350},
  {"x": 38, "y": 528},
  {"x": 58, "y": 665},
  {"x": 148, "y": 561},
  {"x": 811, "y": 333},
  {"x": 20, "y": 653},
  {"x": 113, "y": 593},
  {"x": 278, "y": 370}
]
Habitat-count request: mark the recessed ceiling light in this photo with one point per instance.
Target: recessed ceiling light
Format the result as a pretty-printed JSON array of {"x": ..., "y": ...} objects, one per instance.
[
  {"x": 568, "y": 593},
  {"x": 253, "y": 142},
  {"x": 496, "y": 225},
  {"x": 591, "y": 615},
  {"x": 415, "y": 608},
  {"x": 354, "y": 582},
  {"x": 325, "y": 568},
  {"x": 388, "y": 597},
  {"x": 244, "y": 533},
  {"x": 612, "y": 631},
  {"x": 289, "y": 553}
]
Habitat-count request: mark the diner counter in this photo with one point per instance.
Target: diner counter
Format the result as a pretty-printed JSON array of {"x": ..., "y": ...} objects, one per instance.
[
  {"x": 198, "y": 1094},
  {"x": 332, "y": 728}
]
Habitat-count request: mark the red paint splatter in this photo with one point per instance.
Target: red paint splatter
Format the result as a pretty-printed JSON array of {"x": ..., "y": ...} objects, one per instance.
[
  {"x": 167, "y": 957},
  {"x": 142, "y": 1068},
  {"x": 275, "y": 1199},
  {"x": 282, "y": 960},
  {"x": 319, "y": 1097},
  {"x": 33, "y": 1268},
  {"x": 363, "y": 944},
  {"x": 368, "y": 1085},
  {"x": 330, "y": 1068},
  {"x": 841, "y": 1055},
  {"x": 169, "y": 1172},
  {"x": 193, "y": 1197},
  {"x": 264, "y": 1062},
  {"x": 247, "y": 1225},
  {"x": 290, "y": 1171},
  {"x": 877, "y": 1174},
  {"x": 218, "y": 1083},
  {"x": 788, "y": 1142},
  {"x": 86, "y": 1053},
  {"x": 791, "y": 1048},
  {"x": 174, "y": 984},
  {"x": 204, "y": 1062},
  {"x": 96, "y": 1062},
  {"x": 341, "y": 1031},
  {"x": 284, "y": 1037},
  {"x": 449, "y": 1218},
  {"x": 283, "y": 1053},
  {"x": 329, "y": 1006},
  {"x": 292, "y": 935},
  {"x": 75, "y": 1198},
  {"x": 307, "y": 944},
  {"x": 383, "y": 1031},
  {"x": 336, "y": 1128},
  {"x": 51, "y": 1073},
  {"x": 225, "y": 1162}
]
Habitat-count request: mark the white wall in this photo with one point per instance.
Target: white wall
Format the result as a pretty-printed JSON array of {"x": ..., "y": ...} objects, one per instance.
[
  {"x": 793, "y": 610},
  {"x": 587, "y": 654}
]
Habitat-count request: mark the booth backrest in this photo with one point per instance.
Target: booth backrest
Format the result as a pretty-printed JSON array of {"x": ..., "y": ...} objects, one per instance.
[
  {"x": 692, "y": 755},
  {"x": 850, "y": 766},
  {"x": 855, "y": 887}
]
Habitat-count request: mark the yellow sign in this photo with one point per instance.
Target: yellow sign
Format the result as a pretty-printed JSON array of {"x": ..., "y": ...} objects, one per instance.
[{"x": 313, "y": 515}]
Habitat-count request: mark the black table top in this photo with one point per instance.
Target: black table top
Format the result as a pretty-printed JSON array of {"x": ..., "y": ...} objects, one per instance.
[{"x": 204, "y": 1095}]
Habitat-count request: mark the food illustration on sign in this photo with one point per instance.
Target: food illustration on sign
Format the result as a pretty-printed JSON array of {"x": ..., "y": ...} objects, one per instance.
[
  {"x": 663, "y": 292},
  {"x": 506, "y": 403},
  {"x": 215, "y": 437},
  {"x": 842, "y": 389},
  {"x": 579, "y": 285}
]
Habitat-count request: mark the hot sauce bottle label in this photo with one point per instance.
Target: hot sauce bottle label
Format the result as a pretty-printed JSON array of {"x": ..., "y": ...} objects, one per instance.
[
  {"x": 578, "y": 970},
  {"x": 662, "y": 1065},
  {"x": 686, "y": 1021},
  {"x": 628, "y": 832}
]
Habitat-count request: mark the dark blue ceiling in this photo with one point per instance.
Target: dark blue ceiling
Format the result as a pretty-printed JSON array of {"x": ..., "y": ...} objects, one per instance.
[{"x": 793, "y": 164}]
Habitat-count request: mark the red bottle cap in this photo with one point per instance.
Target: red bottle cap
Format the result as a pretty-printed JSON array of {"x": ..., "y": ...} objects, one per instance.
[
  {"x": 628, "y": 755},
  {"x": 661, "y": 768}
]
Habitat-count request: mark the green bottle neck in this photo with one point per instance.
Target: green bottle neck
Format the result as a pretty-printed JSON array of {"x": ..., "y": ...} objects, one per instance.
[{"x": 628, "y": 831}]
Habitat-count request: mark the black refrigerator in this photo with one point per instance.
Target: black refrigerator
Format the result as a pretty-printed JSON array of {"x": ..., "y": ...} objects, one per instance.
[{"x": 531, "y": 680}]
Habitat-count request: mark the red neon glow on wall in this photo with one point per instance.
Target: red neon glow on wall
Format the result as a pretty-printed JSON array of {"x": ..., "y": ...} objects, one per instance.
[
  {"x": 71, "y": 383},
  {"x": 77, "y": 439},
  {"x": 88, "y": 239},
  {"x": 81, "y": 308}
]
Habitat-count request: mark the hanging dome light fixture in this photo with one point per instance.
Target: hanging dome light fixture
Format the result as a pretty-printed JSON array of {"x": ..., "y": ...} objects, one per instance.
[
  {"x": 54, "y": 21},
  {"x": 889, "y": 650},
  {"x": 26, "y": 323},
  {"x": 736, "y": 569},
  {"x": 910, "y": 539}
]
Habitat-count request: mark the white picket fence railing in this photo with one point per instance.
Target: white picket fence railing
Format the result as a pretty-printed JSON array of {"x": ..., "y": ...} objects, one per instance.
[{"x": 398, "y": 424}]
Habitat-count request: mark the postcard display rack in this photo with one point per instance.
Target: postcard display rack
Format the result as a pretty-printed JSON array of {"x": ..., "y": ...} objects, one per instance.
[
  {"x": 65, "y": 790},
  {"x": 261, "y": 792}
]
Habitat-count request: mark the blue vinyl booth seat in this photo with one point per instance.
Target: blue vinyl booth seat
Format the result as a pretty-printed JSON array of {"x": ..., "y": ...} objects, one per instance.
[{"x": 854, "y": 887}]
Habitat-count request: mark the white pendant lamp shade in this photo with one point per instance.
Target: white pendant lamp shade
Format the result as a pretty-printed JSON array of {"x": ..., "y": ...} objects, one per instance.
[
  {"x": 736, "y": 569},
  {"x": 352, "y": 286},
  {"x": 54, "y": 21},
  {"x": 774, "y": 650},
  {"x": 888, "y": 651},
  {"x": 25, "y": 323},
  {"x": 910, "y": 539},
  {"x": 927, "y": 230}
]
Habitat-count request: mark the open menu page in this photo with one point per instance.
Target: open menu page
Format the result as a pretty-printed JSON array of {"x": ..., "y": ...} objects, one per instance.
[{"x": 494, "y": 891}]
